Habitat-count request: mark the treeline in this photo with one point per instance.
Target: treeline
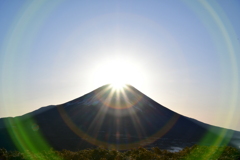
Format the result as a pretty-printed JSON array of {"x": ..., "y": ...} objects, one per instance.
[{"x": 195, "y": 152}]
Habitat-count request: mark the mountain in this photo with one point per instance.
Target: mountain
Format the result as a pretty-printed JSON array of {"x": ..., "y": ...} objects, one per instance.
[{"x": 120, "y": 119}]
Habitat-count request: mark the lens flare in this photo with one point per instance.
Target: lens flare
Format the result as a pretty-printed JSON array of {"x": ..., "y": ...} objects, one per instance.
[{"x": 119, "y": 120}]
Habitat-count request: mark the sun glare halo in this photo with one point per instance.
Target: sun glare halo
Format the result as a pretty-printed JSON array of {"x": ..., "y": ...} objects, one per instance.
[
  {"x": 118, "y": 85},
  {"x": 118, "y": 72}
]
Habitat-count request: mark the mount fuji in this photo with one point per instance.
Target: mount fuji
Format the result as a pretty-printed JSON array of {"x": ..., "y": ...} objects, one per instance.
[{"x": 119, "y": 119}]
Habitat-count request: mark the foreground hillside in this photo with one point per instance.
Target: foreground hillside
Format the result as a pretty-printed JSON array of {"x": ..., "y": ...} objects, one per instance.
[{"x": 188, "y": 153}]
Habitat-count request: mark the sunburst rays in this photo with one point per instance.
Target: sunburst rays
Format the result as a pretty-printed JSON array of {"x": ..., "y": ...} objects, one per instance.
[{"x": 116, "y": 111}]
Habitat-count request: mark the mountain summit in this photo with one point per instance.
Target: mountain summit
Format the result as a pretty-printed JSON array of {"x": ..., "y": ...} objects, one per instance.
[{"x": 112, "y": 118}]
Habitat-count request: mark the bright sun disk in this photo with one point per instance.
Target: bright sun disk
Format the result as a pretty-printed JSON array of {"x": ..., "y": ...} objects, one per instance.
[
  {"x": 118, "y": 85},
  {"x": 118, "y": 72}
]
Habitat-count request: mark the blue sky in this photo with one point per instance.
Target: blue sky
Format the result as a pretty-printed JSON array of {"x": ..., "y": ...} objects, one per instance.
[{"x": 183, "y": 54}]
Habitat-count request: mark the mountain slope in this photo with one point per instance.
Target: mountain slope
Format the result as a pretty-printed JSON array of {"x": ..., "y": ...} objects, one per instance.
[{"x": 120, "y": 119}]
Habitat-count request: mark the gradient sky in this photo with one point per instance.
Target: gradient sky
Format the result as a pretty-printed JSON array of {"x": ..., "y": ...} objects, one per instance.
[{"x": 183, "y": 54}]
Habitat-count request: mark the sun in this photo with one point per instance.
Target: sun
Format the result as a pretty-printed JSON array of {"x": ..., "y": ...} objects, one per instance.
[
  {"x": 118, "y": 72},
  {"x": 118, "y": 85}
]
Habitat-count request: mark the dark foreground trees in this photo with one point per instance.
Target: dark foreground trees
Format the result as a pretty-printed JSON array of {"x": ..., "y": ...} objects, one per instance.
[{"x": 189, "y": 153}]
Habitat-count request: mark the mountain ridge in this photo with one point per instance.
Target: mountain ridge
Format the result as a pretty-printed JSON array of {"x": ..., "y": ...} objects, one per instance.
[{"x": 120, "y": 119}]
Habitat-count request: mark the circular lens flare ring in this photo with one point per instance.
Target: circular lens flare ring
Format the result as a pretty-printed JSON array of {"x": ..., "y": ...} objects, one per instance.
[{"x": 93, "y": 140}]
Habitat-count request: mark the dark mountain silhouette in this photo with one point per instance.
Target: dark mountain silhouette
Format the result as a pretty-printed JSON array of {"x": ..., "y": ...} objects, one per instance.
[{"x": 120, "y": 119}]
